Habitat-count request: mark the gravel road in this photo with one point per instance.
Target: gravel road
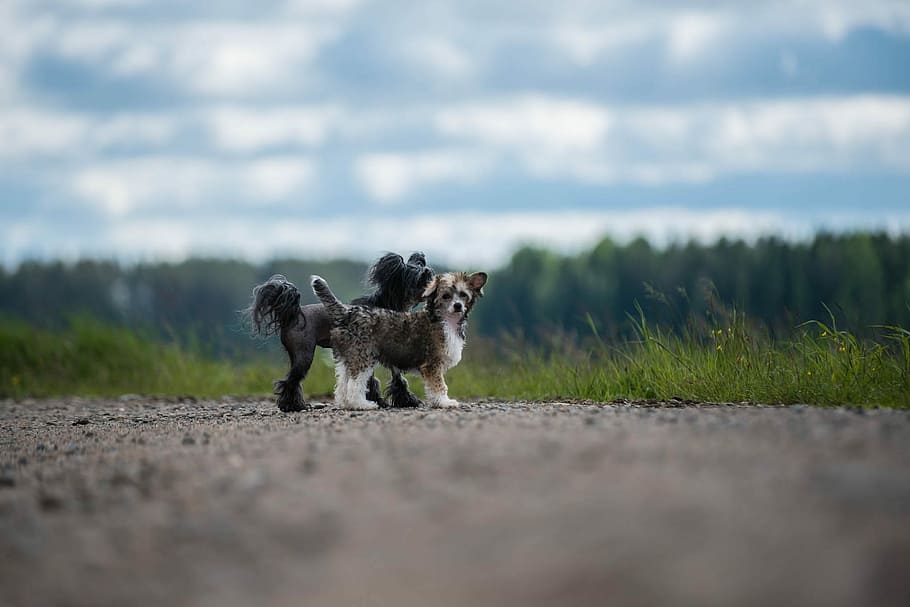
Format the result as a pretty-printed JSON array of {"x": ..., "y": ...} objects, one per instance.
[{"x": 230, "y": 503}]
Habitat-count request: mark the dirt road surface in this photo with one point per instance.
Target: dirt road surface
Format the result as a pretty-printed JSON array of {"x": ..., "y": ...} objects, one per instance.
[{"x": 231, "y": 503}]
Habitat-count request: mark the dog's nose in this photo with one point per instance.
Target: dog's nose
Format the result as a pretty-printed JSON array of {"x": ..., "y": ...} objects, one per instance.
[{"x": 457, "y": 306}]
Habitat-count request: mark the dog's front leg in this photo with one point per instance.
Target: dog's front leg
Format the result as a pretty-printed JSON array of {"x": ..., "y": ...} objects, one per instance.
[{"x": 435, "y": 385}]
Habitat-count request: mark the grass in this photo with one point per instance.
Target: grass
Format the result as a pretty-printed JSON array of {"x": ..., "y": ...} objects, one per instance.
[
  {"x": 820, "y": 365},
  {"x": 92, "y": 359}
]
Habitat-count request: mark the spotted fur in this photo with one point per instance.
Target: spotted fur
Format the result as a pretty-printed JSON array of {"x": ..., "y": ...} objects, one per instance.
[{"x": 429, "y": 341}]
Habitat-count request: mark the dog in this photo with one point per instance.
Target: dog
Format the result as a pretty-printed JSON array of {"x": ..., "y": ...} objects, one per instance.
[
  {"x": 276, "y": 309},
  {"x": 429, "y": 341}
]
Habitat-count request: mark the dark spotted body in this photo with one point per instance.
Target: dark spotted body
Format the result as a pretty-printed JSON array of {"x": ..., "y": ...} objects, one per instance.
[
  {"x": 404, "y": 341},
  {"x": 429, "y": 341}
]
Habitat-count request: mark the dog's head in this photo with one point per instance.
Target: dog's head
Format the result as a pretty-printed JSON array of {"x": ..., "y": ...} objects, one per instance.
[
  {"x": 453, "y": 294},
  {"x": 400, "y": 284}
]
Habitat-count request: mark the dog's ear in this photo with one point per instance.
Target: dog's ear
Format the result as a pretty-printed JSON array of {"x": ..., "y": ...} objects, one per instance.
[
  {"x": 476, "y": 281},
  {"x": 431, "y": 288},
  {"x": 385, "y": 268}
]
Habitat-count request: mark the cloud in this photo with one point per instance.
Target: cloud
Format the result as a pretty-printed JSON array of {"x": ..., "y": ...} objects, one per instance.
[
  {"x": 140, "y": 109},
  {"x": 387, "y": 177},
  {"x": 439, "y": 56},
  {"x": 528, "y": 121},
  {"x": 103, "y": 4},
  {"x": 585, "y": 43},
  {"x": 120, "y": 188},
  {"x": 691, "y": 34},
  {"x": 311, "y": 8},
  {"x": 808, "y": 135},
  {"x": 239, "y": 129},
  {"x": 462, "y": 239},
  {"x": 277, "y": 178},
  {"x": 655, "y": 145},
  {"x": 587, "y": 32},
  {"x": 210, "y": 58},
  {"x": 243, "y": 59},
  {"x": 26, "y": 133},
  {"x": 544, "y": 137}
]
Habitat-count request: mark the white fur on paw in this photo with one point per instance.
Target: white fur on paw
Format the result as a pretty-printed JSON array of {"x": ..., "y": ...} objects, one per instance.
[
  {"x": 445, "y": 402},
  {"x": 361, "y": 405}
]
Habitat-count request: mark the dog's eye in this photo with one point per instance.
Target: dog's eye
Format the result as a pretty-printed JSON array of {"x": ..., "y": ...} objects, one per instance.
[
  {"x": 462, "y": 295},
  {"x": 447, "y": 296}
]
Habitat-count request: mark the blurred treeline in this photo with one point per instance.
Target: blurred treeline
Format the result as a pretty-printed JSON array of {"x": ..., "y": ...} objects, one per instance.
[{"x": 863, "y": 279}]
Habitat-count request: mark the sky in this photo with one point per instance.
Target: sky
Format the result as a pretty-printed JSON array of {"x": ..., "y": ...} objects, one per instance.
[{"x": 142, "y": 130}]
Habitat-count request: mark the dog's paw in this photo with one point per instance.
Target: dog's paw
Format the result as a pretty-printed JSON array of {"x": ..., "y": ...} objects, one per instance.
[
  {"x": 290, "y": 400},
  {"x": 292, "y": 406},
  {"x": 444, "y": 402},
  {"x": 404, "y": 400},
  {"x": 361, "y": 405}
]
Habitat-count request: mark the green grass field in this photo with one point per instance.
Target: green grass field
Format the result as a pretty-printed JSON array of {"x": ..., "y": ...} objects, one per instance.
[{"x": 819, "y": 365}]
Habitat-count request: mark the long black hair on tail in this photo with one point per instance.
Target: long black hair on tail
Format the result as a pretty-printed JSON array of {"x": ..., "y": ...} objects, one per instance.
[{"x": 276, "y": 304}]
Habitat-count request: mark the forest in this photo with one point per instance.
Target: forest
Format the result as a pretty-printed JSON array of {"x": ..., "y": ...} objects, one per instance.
[{"x": 859, "y": 280}]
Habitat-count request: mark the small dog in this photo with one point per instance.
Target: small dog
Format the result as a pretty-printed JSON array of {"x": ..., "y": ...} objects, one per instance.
[
  {"x": 429, "y": 341},
  {"x": 276, "y": 309}
]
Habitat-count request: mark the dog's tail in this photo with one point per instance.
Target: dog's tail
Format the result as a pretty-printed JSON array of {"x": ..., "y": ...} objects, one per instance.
[
  {"x": 275, "y": 305},
  {"x": 332, "y": 304}
]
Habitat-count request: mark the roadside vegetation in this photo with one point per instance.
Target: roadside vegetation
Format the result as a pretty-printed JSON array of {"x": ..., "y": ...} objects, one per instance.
[
  {"x": 730, "y": 361},
  {"x": 819, "y": 364}
]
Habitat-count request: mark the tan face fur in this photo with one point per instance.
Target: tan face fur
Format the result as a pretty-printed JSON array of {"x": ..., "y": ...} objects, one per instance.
[{"x": 453, "y": 294}]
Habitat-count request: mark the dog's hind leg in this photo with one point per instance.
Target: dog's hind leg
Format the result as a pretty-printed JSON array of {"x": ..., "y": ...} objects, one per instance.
[
  {"x": 374, "y": 392},
  {"x": 290, "y": 394},
  {"x": 354, "y": 390},
  {"x": 398, "y": 393}
]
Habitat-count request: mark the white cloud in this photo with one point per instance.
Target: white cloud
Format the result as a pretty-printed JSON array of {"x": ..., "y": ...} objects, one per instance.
[
  {"x": 210, "y": 58},
  {"x": 388, "y": 177},
  {"x": 691, "y": 34},
  {"x": 20, "y": 37},
  {"x": 586, "y": 31},
  {"x": 689, "y": 143},
  {"x": 26, "y": 133},
  {"x": 122, "y": 187},
  {"x": 439, "y": 56},
  {"x": 469, "y": 240},
  {"x": 102, "y": 4},
  {"x": 243, "y": 59},
  {"x": 134, "y": 130},
  {"x": 528, "y": 121},
  {"x": 278, "y": 178},
  {"x": 309, "y": 8},
  {"x": 239, "y": 129},
  {"x": 137, "y": 59},
  {"x": 805, "y": 135},
  {"x": 837, "y": 19},
  {"x": 585, "y": 43},
  {"x": 91, "y": 40}
]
